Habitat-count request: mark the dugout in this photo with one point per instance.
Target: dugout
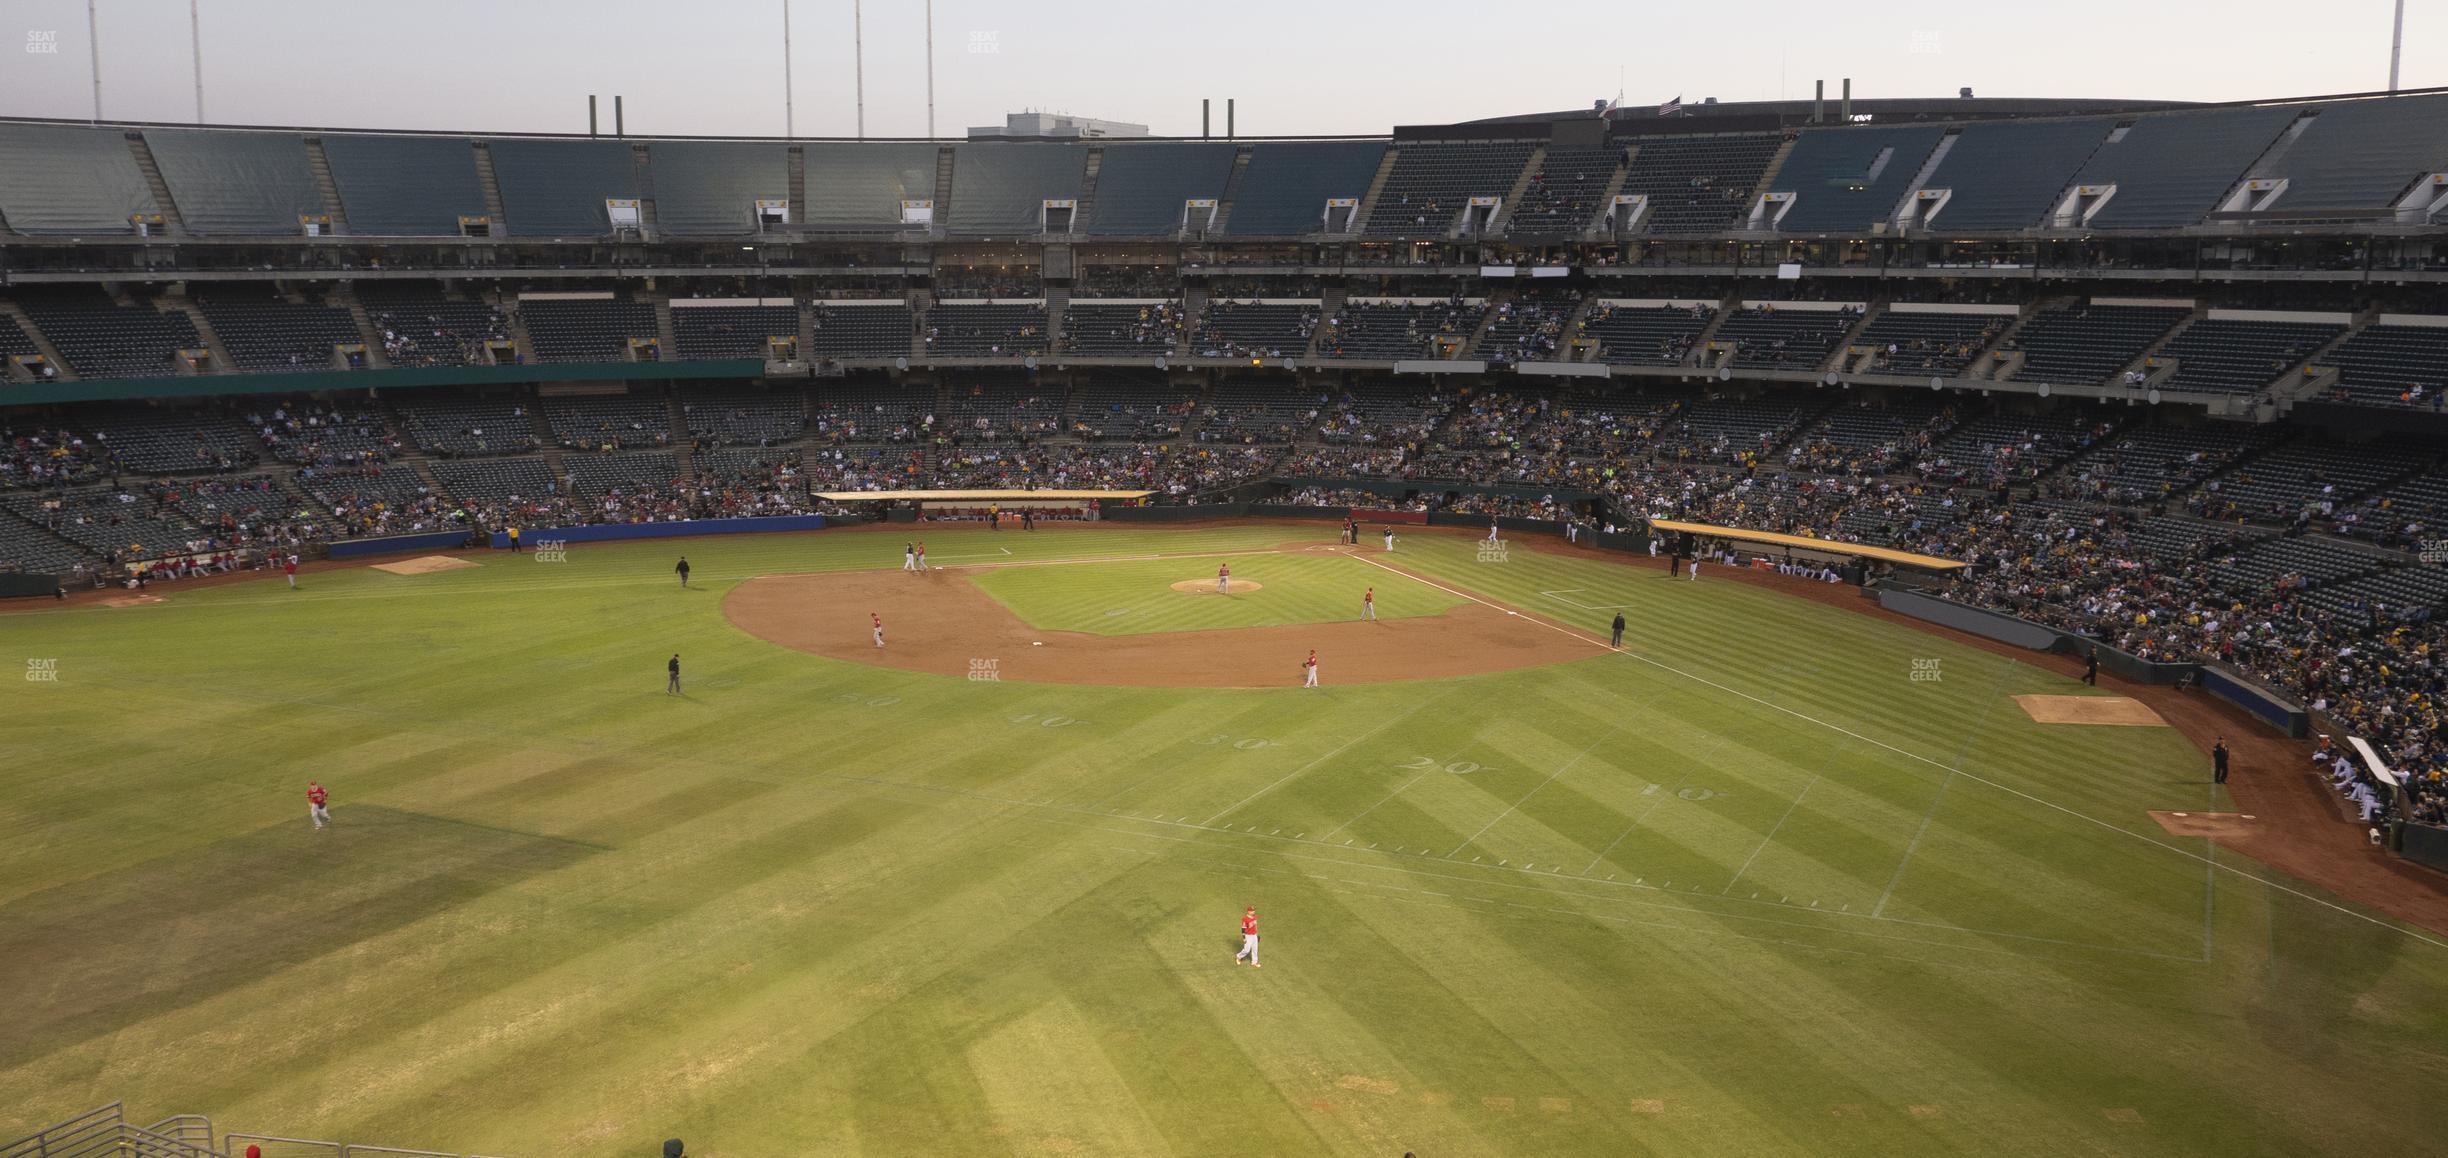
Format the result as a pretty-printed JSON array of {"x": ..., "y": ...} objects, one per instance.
[{"x": 1852, "y": 561}]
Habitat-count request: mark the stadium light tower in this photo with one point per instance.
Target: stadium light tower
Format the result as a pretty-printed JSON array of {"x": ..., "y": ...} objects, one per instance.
[
  {"x": 930, "y": 49},
  {"x": 790, "y": 127},
  {"x": 93, "y": 45},
  {"x": 858, "y": 63},
  {"x": 2396, "y": 44},
  {"x": 195, "y": 41}
]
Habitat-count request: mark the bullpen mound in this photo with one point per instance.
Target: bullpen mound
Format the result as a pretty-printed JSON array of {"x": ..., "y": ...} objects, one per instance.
[{"x": 942, "y": 627}]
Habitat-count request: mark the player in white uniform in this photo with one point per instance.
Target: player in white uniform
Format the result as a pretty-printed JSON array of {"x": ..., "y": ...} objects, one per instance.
[
  {"x": 1389, "y": 539},
  {"x": 909, "y": 556},
  {"x": 877, "y": 621},
  {"x": 1368, "y": 605}
]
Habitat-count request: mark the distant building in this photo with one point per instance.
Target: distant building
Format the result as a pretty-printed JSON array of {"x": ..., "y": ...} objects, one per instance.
[{"x": 1056, "y": 126}]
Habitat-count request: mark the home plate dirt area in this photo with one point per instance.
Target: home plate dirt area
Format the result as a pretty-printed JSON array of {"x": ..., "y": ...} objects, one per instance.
[{"x": 942, "y": 624}]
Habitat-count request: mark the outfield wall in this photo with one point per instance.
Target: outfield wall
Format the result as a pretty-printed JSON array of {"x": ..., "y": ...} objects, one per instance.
[
  {"x": 2423, "y": 844},
  {"x": 392, "y": 544},
  {"x": 530, "y": 537},
  {"x": 2265, "y": 705}
]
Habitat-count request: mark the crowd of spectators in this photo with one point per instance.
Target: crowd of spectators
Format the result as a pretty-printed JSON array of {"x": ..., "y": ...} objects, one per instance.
[{"x": 33, "y": 457}]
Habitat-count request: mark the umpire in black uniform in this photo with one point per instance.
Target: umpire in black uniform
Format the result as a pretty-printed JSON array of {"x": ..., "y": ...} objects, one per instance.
[
  {"x": 1619, "y": 626},
  {"x": 2218, "y": 761}
]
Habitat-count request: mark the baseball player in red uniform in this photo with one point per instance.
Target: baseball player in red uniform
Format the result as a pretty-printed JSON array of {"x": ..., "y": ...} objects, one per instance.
[
  {"x": 1309, "y": 670},
  {"x": 878, "y": 622},
  {"x": 922, "y": 554},
  {"x": 1368, "y": 605},
  {"x": 1224, "y": 579},
  {"x": 1249, "y": 937},
  {"x": 289, "y": 568},
  {"x": 315, "y": 799}
]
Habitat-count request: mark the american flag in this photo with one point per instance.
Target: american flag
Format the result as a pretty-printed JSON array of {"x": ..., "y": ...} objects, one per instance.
[{"x": 1671, "y": 107}]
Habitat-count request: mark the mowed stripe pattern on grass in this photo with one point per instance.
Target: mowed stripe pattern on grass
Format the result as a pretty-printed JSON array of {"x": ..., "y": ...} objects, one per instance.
[
  {"x": 1131, "y": 597},
  {"x": 821, "y": 908}
]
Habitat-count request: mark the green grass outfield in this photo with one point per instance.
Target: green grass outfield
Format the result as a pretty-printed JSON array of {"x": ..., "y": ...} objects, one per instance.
[
  {"x": 1747, "y": 888},
  {"x": 1128, "y": 598}
]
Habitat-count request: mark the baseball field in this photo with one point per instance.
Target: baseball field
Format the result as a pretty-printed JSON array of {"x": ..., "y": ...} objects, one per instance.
[{"x": 1773, "y": 878}]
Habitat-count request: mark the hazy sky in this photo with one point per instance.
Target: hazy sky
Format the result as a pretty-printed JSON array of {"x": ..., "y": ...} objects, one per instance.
[{"x": 1296, "y": 66}]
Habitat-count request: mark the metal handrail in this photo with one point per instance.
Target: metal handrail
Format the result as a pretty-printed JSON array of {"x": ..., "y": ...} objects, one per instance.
[{"x": 236, "y": 1143}]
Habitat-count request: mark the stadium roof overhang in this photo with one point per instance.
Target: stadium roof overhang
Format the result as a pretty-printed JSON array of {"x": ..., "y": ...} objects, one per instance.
[
  {"x": 1806, "y": 543},
  {"x": 979, "y": 496}
]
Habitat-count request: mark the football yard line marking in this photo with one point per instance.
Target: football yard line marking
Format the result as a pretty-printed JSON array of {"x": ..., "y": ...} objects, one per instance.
[
  {"x": 1199, "y": 834},
  {"x": 1962, "y": 752},
  {"x": 1338, "y": 750},
  {"x": 1769, "y": 839},
  {"x": 1983, "y": 781},
  {"x": 1568, "y": 766}
]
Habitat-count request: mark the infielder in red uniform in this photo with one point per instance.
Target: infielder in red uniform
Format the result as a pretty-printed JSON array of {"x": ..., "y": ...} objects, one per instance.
[
  {"x": 316, "y": 797},
  {"x": 1309, "y": 670},
  {"x": 1224, "y": 579},
  {"x": 289, "y": 568},
  {"x": 878, "y": 622},
  {"x": 1249, "y": 937},
  {"x": 1368, "y": 605}
]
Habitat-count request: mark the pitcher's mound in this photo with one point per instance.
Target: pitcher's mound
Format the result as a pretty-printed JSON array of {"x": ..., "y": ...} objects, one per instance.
[
  {"x": 1208, "y": 587},
  {"x": 426, "y": 564},
  {"x": 2114, "y": 711}
]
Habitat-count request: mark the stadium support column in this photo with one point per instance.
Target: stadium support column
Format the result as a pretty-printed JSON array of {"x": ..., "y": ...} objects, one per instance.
[
  {"x": 1206, "y": 107},
  {"x": 1848, "y": 101},
  {"x": 1228, "y": 118},
  {"x": 590, "y": 114},
  {"x": 1818, "y": 101}
]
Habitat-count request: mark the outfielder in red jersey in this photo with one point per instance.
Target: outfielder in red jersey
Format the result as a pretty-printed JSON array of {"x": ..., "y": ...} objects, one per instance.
[
  {"x": 1249, "y": 937},
  {"x": 315, "y": 799}
]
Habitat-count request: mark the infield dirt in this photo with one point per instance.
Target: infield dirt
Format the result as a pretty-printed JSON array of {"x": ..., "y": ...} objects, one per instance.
[{"x": 943, "y": 624}]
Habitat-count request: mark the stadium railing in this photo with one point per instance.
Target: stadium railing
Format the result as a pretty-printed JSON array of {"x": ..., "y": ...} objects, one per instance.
[{"x": 105, "y": 1130}]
